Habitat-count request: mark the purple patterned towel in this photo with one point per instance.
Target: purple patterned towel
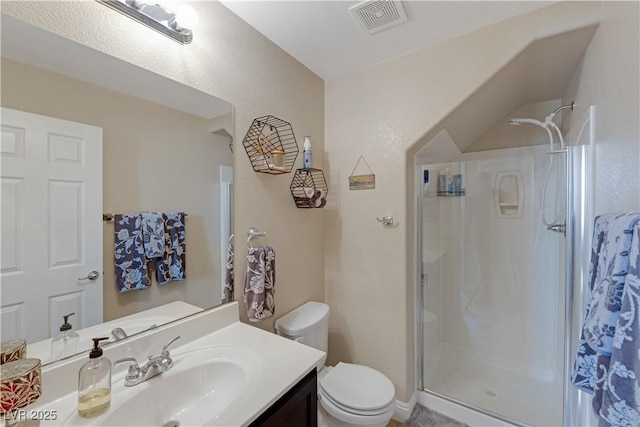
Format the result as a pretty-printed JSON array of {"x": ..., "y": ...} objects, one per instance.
[
  {"x": 153, "y": 234},
  {"x": 130, "y": 262},
  {"x": 607, "y": 363},
  {"x": 228, "y": 288},
  {"x": 259, "y": 283},
  {"x": 172, "y": 265}
]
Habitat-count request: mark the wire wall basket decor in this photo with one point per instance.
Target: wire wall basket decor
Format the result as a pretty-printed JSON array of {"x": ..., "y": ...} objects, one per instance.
[
  {"x": 271, "y": 145},
  {"x": 309, "y": 188}
]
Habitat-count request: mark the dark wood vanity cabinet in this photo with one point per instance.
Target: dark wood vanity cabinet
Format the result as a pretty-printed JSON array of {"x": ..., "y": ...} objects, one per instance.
[{"x": 297, "y": 408}]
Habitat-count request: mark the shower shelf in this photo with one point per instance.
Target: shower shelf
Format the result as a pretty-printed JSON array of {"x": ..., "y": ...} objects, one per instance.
[
  {"x": 509, "y": 194},
  {"x": 445, "y": 194},
  {"x": 454, "y": 194}
]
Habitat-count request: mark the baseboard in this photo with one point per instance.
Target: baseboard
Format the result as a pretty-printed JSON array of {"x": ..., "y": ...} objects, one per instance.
[{"x": 404, "y": 409}]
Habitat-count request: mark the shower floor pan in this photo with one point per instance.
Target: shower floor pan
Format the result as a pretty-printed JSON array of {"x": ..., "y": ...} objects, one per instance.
[{"x": 495, "y": 390}]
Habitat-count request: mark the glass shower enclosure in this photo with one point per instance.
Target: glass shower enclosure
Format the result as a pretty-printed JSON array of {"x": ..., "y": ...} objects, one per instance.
[{"x": 495, "y": 299}]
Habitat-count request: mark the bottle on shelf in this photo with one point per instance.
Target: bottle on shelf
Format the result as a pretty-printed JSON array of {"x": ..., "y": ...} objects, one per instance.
[{"x": 307, "y": 153}]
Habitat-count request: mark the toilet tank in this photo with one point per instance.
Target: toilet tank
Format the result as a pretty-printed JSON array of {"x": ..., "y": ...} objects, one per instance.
[{"x": 307, "y": 324}]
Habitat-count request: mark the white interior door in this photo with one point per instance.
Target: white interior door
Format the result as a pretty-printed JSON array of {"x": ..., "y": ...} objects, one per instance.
[{"x": 51, "y": 224}]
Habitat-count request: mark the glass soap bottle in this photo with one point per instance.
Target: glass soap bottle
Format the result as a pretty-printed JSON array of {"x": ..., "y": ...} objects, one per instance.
[
  {"x": 66, "y": 342},
  {"x": 94, "y": 383}
]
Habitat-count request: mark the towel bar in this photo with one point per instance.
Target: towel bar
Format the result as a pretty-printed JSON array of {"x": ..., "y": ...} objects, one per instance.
[
  {"x": 108, "y": 217},
  {"x": 252, "y": 233}
]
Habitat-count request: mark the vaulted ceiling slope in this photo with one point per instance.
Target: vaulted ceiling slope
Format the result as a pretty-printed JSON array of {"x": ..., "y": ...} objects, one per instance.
[
  {"x": 324, "y": 36},
  {"x": 540, "y": 72}
]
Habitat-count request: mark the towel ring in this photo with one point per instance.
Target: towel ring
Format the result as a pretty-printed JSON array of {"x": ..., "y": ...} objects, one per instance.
[{"x": 252, "y": 233}]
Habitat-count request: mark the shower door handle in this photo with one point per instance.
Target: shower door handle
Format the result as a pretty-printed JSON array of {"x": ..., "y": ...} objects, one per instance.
[{"x": 558, "y": 228}]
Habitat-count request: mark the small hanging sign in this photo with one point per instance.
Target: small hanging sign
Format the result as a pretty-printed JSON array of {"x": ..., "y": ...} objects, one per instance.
[{"x": 362, "y": 182}]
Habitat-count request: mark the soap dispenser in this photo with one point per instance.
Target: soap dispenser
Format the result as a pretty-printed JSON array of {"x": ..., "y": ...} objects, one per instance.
[
  {"x": 94, "y": 383},
  {"x": 66, "y": 342}
]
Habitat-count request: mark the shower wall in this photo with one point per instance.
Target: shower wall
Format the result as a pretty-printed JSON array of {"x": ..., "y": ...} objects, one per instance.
[{"x": 494, "y": 293}]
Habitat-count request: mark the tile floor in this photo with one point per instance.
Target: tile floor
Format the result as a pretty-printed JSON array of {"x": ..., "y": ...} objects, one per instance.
[{"x": 423, "y": 417}]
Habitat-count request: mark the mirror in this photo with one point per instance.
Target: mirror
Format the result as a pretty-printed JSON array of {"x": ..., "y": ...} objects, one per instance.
[{"x": 166, "y": 147}]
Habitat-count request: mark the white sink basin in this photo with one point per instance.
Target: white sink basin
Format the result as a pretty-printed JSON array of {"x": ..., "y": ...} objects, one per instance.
[
  {"x": 195, "y": 392},
  {"x": 225, "y": 373}
]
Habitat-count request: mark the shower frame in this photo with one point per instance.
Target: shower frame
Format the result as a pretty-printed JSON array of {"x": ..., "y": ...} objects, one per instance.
[{"x": 579, "y": 219}]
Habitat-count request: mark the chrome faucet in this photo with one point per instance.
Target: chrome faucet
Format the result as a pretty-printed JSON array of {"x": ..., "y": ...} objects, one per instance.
[
  {"x": 155, "y": 365},
  {"x": 119, "y": 334}
]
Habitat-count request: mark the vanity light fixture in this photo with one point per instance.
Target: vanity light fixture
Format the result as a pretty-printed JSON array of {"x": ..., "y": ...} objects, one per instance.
[{"x": 176, "y": 25}]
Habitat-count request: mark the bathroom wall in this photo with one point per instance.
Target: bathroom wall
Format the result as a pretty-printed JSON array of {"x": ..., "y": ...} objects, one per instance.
[
  {"x": 609, "y": 78},
  {"x": 230, "y": 60},
  {"x": 144, "y": 144},
  {"x": 380, "y": 113}
]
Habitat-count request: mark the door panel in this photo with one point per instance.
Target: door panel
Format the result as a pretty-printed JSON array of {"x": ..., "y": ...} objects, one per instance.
[
  {"x": 65, "y": 231},
  {"x": 51, "y": 224},
  {"x": 12, "y": 217}
]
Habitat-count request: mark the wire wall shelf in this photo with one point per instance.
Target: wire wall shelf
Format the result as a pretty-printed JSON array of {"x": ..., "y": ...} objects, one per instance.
[
  {"x": 271, "y": 145},
  {"x": 309, "y": 188}
]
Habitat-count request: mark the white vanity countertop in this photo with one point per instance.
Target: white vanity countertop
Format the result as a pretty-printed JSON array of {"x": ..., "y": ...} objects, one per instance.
[
  {"x": 132, "y": 324},
  {"x": 280, "y": 364}
]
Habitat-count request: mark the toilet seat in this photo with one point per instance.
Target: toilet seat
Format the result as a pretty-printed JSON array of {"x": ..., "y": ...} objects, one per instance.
[
  {"x": 323, "y": 395},
  {"x": 357, "y": 394},
  {"x": 355, "y": 419},
  {"x": 358, "y": 387}
]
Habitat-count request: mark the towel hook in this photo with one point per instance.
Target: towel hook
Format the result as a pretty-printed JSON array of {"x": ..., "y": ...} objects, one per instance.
[
  {"x": 386, "y": 221},
  {"x": 252, "y": 233}
]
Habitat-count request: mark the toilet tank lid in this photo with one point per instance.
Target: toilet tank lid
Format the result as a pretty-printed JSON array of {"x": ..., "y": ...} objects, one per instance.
[{"x": 302, "y": 319}]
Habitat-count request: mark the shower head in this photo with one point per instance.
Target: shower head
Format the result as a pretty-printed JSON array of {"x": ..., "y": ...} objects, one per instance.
[
  {"x": 545, "y": 126},
  {"x": 517, "y": 122},
  {"x": 548, "y": 122}
]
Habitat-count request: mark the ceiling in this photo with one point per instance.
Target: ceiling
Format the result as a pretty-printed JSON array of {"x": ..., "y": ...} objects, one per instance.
[{"x": 327, "y": 39}]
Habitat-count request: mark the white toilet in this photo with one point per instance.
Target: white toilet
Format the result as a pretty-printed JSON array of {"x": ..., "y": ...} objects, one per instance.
[{"x": 349, "y": 395}]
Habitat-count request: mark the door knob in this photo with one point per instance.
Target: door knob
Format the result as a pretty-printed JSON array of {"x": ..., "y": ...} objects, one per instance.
[{"x": 93, "y": 275}]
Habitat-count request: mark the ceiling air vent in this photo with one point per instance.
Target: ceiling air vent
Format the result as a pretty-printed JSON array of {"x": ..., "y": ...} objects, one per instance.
[{"x": 378, "y": 15}]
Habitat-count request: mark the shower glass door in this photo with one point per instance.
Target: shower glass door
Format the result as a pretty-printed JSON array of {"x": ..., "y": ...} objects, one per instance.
[{"x": 493, "y": 292}]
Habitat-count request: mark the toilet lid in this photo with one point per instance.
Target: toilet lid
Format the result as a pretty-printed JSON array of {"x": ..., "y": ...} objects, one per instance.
[
  {"x": 328, "y": 403},
  {"x": 358, "y": 387}
]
